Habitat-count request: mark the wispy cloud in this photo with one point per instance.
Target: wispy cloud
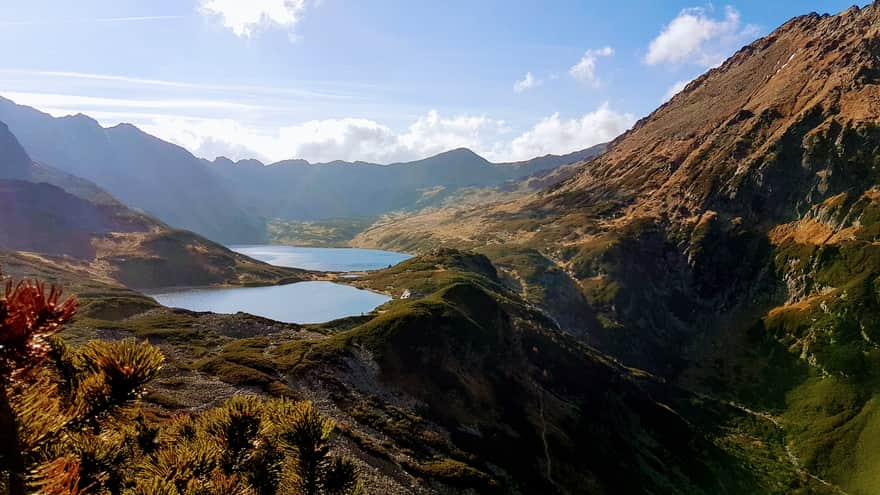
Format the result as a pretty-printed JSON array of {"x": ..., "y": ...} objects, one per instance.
[
  {"x": 95, "y": 20},
  {"x": 55, "y": 100},
  {"x": 371, "y": 140},
  {"x": 163, "y": 83}
]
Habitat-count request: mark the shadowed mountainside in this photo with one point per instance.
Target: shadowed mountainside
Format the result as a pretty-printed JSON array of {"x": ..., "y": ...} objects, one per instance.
[
  {"x": 114, "y": 242},
  {"x": 144, "y": 172}
]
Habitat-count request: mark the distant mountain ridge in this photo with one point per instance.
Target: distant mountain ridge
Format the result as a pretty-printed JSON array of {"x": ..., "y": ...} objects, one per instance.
[
  {"x": 231, "y": 202},
  {"x": 297, "y": 189},
  {"x": 533, "y": 164}
]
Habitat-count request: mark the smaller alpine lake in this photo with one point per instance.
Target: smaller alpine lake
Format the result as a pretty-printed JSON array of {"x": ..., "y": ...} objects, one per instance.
[{"x": 301, "y": 302}]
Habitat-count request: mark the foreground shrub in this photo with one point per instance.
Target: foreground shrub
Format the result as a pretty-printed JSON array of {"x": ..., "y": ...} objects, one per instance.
[{"x": 69, "y": 424}]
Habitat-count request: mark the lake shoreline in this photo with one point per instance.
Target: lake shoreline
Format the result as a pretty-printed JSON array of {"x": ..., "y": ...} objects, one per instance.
[{"x": 331, "y": 292}]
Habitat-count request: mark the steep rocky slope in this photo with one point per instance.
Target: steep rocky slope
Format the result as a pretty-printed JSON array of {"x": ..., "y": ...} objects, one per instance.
[{"x": 728, "y": 241}]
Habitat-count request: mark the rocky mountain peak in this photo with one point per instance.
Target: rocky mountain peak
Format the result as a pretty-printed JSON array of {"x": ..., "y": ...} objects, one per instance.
[{"x": 744, "y": 137}]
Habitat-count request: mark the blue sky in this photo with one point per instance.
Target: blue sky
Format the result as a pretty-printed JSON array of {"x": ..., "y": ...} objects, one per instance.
[{"x": 378, "y": 80}]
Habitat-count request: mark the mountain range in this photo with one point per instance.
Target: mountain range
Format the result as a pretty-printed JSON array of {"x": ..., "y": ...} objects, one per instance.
[
  {"x": 231, "y": 202},
  {"x": 299, "y": 190}
]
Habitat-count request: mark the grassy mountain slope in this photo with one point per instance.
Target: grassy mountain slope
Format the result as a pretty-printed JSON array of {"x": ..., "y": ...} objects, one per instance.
[{"x": 515, "y": 394}]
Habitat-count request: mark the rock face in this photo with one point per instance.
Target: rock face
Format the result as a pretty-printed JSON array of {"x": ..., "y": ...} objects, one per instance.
[{"x": 762, "y": 136}]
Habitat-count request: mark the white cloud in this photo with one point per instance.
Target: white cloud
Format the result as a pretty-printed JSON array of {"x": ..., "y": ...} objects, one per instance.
[
  {"x": 675, "y": 89},
  {"x": 354, "y": 139},
  {"x": 528, "y": 82},
  {"x": 31, "y": 78},
  {"x": 585, "y": 70},
  {"x": 557, "y": 136},
  {"x": 432, "y": 134},
  {"x": 246, "y": 17},
  {"x": 326, "y": 140},
  {"x": 694, "y": 37}
]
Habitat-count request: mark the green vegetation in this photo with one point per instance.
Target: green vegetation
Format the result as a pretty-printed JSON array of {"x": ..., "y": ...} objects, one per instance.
[
  {"x": 455, "y": 473},
  {"x": 245, "y": 362},
  {"x": 248, "y": 445},
  {"x": 526, "y": 268},
  {"x": 113, "y": 305},
  {"x": 336, "y": 232},
  {"x": 431, "y": 271},
  {"x": 480, "y": 360},
  {"x": 834, "y": 425}
]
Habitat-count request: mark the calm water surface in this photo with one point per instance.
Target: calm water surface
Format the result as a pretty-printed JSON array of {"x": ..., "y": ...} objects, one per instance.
[
  {"x": 302, "y": 302},
  {"x": 322, "y": 259}
]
